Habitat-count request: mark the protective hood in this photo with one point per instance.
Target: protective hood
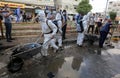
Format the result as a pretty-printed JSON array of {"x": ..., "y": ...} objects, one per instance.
[
  {"x": 86, "y": 17},
  {"x": 41, "y": 16},
  {"x": 89, "y": 14}
]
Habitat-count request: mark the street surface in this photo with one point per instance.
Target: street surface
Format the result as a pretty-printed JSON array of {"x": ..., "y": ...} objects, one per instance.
[{"x": 72, "y": 62}]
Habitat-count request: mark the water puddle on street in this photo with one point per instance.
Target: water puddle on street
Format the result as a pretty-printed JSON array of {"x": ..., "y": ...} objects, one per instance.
[
  {"x": 73, "y": 62},
  {"x": 70, "y": 68}
]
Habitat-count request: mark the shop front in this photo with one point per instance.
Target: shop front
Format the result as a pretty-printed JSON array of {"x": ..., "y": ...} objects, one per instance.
[{"x": 12, "y": 5}]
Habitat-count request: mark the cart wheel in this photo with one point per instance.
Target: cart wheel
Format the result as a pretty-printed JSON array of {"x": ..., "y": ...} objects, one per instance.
[{"x": 15, "y": 65}]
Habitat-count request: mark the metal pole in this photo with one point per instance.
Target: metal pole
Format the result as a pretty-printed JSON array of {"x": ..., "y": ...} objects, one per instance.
[
  {"x": 55, "y": 4},
  {"x": 106, "y": 8}
]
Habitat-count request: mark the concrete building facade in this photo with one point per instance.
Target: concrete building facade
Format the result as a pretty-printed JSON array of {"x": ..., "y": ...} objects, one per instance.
[
  {"x": 69, "y": 5},
  {"x": 34, "y": 3},
  {"x": 114, "y": 6},
  {"x": 29, "y": 6}
]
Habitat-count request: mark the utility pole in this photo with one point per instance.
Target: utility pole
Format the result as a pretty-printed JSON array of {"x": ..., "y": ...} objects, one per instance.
[
  {"x": 55, "y": 3},
  {"x": 106, "y": 8}
]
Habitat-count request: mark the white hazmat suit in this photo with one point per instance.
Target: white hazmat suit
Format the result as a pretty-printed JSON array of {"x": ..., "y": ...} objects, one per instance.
[
  {"x": 80, "y": 34},
  {"x": 49, "y": 31},
  {"x": 85, "y": 21},
  {"x": 59, "y": 33}
]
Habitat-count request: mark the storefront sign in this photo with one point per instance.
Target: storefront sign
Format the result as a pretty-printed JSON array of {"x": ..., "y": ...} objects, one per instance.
[{"x": 13, "y": 5}]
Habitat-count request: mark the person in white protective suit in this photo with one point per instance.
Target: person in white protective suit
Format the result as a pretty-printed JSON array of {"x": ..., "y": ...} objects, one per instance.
[
  {"x": 48, "y": 31},
  {"x": 81, "y": 31},
  {"x": 59, "y": 31},
  {"x": 86, "y": 21}
]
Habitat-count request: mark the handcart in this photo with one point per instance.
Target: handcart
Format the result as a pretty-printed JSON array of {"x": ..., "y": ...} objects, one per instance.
[{"x": 22, "y": 53}]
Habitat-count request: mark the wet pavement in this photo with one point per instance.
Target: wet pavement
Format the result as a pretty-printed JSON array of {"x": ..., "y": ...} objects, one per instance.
[{"x": 72, "y": 62}]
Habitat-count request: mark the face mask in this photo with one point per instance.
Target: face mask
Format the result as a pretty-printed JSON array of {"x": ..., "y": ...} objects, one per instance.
[{"x": 54, "y": 12}]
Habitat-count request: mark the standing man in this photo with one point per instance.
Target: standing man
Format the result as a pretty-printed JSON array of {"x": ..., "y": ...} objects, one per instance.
[
  {"x": 103, "y": 34},
  {"x": 7, "y": 22},
  {"x": 64, "y": 24},
  {"x": 24, "y": 17},
  {"x": 48, "y": 31},
  {"x": 17, "y": 12},
  {"x": 91, "y": 23},
  {"x": 98, "y": 26}
]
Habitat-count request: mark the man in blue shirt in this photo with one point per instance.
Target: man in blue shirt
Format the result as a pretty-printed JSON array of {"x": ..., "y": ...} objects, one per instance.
[
  {"x": 103, "y": 34},
  {"x": 18, "y": 14}
]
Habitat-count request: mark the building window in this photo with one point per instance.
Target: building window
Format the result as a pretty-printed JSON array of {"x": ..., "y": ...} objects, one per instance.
[
  {"x": 110, "y": 2},
  {"x": 75, "y": 6},
  {"x": 114, "y": 5},
  {"x": 66, "y": 6},
  {"x": 118, "y": 4},
  {"x": 109, "y": 8},
  {"x": 113, "y": 10}
]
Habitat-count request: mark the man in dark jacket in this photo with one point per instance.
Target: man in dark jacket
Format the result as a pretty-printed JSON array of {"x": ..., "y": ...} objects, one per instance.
[
  {"x": 65, "y": 24},
  {"x": 103, "y": 34}
]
